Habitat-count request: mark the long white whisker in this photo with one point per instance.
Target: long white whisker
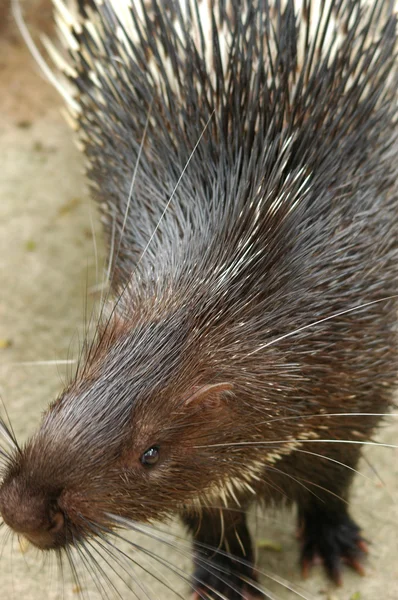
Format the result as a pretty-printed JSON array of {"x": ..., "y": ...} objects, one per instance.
[
  {"x": 95, "y": 572},
  {"x": 175, "y": 187},
  {"x": 61, "y": 574},
  {"x": 337, "y": 462},
  {"x": 133, "y": 180},
  {"x": 118, "y": 562},
  {"x": 292, "y": 441},
  {"x": 314, "y": 323},
  {"x": 94, "y": 237},
  {"x": 321, "y": 414},
  {"x": 7, "y": 431},
  {"x": 135, "y": 171},
  {"x": 110, "y": 260},
  {"x": 75, "y": 573}
]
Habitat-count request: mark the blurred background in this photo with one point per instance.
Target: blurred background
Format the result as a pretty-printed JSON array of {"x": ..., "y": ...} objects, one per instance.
[{"x": 51, "y": 258}]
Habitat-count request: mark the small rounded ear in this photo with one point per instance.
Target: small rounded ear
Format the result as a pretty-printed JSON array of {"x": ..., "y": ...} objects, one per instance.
[{"x": 209, "y": 393}]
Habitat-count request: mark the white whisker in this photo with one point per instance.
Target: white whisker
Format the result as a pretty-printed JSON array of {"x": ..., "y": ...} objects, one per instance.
[
  {"x": 176, "y": 186},
  {"x": 318, "y": 322},
  {"x": 110, "y": 259},
  {"x": 133, "y": 180},
  {"x": 290, "y": 441},
  {"x": 94, "y": 238}
]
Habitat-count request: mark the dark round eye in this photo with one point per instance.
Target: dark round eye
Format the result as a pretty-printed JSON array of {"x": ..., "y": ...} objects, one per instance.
[{"x": 150, "y": 456}]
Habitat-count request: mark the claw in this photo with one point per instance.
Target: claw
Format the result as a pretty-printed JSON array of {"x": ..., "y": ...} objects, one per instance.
[
  {"x": 355, "y": 564},
  {"x": 250, "y": 596},
  {"x": 200, "y": 596},
  {"x": 300, "y": 530},
  {"x": 338, "y": 580},
  {"x": 305, "y": 568},
  {"x": 363, "y": 546},
  {"x": 332, "y": 544},
  {"x": 308, "y": 563}
]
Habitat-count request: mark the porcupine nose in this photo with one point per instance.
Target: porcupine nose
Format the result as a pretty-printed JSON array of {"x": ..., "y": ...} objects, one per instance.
[{"x": 33, "y": 514}]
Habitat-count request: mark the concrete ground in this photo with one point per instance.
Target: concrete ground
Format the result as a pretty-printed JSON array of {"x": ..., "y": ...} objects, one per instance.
[{"x": 47, "y": 264}]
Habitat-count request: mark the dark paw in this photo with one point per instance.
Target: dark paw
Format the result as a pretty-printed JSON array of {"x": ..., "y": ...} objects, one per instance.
[
  {"x": 223, "y": 580},
  {"x": 332, "y": 539}
]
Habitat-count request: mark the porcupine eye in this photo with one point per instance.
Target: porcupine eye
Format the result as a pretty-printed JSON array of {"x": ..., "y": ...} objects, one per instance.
[{"x": 150, "y": 457}]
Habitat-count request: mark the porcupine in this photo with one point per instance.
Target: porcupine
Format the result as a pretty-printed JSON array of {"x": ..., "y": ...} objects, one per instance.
[{"x": 243, "y": 155}]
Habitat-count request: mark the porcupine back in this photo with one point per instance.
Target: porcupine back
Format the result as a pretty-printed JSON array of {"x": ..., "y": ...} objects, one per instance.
[{"x": 266, "y": 131}]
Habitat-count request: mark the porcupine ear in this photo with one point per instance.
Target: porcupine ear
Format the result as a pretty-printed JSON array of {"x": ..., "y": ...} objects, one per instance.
[{"x": 211, "y": 394}]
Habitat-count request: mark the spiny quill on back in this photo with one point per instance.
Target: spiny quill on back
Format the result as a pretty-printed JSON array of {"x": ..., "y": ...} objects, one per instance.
[{"x": 243, "y": 153}]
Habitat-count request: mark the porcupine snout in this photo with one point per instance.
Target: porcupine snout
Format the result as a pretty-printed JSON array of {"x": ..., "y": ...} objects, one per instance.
[{"x": 32, "y": 513}]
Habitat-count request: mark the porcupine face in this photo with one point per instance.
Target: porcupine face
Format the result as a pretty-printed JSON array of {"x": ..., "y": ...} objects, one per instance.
[{"x": 118, "y": 443}]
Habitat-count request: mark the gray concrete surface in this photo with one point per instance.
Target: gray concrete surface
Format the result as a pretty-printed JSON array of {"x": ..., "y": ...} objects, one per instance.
[{"x": 47, "y": 263}]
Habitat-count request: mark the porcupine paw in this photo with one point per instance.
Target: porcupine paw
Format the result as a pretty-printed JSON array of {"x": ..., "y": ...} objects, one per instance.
[
  {"x": 333, "y": 539},
  {"x": 224, "y": 580}
]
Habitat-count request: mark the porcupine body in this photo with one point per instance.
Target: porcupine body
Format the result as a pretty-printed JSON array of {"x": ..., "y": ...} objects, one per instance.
[{"x": 243, "y": 153}]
